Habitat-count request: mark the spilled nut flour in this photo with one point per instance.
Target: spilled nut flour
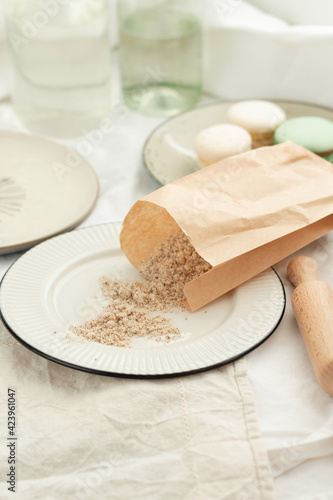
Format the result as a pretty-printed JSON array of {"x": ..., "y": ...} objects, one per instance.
[{"x": 131, "y": 307}]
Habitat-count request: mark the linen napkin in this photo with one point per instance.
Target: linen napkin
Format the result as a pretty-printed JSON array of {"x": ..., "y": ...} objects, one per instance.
[{"x": 84, "y": 436}]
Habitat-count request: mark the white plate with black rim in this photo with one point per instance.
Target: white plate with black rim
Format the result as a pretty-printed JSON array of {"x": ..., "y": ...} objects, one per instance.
[
  {"x": 45, "y": 189},
  {"x": 169, "y": 150},
  {"x": 56, "y": 284}
]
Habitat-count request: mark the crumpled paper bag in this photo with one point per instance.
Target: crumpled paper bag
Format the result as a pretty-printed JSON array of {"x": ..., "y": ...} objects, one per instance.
[{"x": 242, "y": 215}]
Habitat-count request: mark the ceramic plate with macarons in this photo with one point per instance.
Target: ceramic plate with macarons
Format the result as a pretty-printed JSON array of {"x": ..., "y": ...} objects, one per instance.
[{"x": 171, "y": 151}]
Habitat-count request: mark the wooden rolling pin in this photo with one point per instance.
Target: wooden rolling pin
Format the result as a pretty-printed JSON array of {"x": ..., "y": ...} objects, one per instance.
[{"x": 312, "y": 303}]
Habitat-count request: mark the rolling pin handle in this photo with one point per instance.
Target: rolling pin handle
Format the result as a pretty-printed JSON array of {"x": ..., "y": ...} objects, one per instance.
[
  {"x": 312, "y": 302},
  {"x": 302, "y": 269}
]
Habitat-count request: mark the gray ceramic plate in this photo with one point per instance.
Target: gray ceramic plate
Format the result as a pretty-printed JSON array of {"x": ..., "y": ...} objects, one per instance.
[
  {"x": 45, "y": 189},
  {"x": 169, "y": 151}
]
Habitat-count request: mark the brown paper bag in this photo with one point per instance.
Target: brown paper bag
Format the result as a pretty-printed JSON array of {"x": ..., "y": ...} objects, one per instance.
[{"x": 242, "y": 215}]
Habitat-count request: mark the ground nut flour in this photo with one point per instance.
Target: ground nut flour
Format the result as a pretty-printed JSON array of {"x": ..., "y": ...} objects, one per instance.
[{"x": 131, "y": 305}]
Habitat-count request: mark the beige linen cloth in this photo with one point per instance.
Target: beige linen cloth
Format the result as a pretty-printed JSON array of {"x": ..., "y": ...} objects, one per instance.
[{"x": 84, "y": 436}]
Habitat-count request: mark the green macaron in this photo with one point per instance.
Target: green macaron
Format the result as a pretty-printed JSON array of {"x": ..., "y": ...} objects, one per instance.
[
  {"x": 329, "y": 158},
  {"x": 312, "y": 132}
]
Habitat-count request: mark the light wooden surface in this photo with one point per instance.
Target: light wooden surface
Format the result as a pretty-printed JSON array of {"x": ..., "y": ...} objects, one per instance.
[{"x": 312, "y": 302}]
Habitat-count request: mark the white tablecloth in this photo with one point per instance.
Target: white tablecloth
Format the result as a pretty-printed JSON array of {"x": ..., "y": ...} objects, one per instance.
[{"x": 295, "y": 415}]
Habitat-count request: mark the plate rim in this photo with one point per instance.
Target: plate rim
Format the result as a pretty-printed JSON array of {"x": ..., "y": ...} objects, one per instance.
[
  {"x": 95, "y": 371},
  {"x": 212, "y": 104},
  {"x": 26, "y": 245}
]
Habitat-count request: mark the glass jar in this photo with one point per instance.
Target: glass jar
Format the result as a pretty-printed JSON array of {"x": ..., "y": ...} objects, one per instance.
[
  {"x": 61, "y": 60},
  {"x": 160, "y": 54}
]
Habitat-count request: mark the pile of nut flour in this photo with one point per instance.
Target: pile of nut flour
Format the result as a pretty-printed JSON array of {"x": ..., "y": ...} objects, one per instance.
[{"x": 132, "y": 306}]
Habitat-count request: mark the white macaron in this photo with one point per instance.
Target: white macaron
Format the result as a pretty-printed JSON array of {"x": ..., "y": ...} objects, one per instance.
[
  {"x": 221, "y": 141},
  {"x": 259, "y": 118}
]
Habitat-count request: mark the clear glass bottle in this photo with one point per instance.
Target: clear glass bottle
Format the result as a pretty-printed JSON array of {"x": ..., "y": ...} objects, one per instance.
[
  {"x": 61, "y": 60},
  {"x": 160, "y": 54}
]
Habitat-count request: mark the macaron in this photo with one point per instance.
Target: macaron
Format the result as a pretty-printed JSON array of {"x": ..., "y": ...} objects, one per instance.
[
  {"x": 312, "y": 132},
  {"x": 221, "y": 141},
  {"x": 329, "y": 158},
  {"x": 259, "y": 118}
]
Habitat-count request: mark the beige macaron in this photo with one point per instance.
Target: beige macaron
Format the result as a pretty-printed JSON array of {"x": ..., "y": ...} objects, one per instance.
[
  {"x": 221, "y": 141},
  {"x": 260, "y": 118}
]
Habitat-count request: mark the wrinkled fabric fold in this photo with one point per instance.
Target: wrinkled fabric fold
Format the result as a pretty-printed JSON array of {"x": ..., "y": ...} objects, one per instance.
[{"x": 85, "y": 436}]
